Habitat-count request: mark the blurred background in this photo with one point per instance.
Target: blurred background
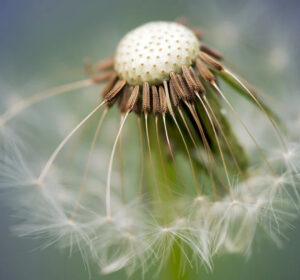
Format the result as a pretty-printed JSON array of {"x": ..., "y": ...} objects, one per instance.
[{"x": 45, "y": 43}]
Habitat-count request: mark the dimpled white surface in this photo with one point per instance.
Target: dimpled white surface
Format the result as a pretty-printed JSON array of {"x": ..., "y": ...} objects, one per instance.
[{"x": 150, "y": 52}]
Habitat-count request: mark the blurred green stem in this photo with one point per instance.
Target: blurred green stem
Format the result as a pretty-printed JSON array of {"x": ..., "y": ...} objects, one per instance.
[
  {"x": 174, "y": 270},
  {"x": 165, "y": 168}
]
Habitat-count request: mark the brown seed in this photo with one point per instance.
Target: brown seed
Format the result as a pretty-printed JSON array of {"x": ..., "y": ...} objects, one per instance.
[
  {"x": 123, "y": 98},
  {"x": 175, "y": 98},
  {"x": 212, "y": 52},
  {"x": 146, "y": 103},
  {"x": 133, "y": 98},
  {"x": 210, "y": 61},
  {"x": 109, "y": 85},
  {"x": 177, "y": 86},
  {"x": 106, "y": 63},
  {"x": 162, "y": 100},
  {"x": 189, "y": 79},
  {"x": 189, "y": 95},
  {"x": 199, "y": 87},
  {"x": 115, "y": 90},
  {"x": 155, "y": 100},
  {"x": 204, "y": 71},
  {"x": 137, "y": 108}
]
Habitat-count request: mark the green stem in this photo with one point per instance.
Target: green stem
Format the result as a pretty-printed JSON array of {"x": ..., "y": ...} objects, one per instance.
[{"x": 174, "y": 269}]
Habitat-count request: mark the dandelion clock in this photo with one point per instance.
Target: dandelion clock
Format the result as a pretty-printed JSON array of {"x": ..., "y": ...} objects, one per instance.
[{"x": 164, "y": 171}]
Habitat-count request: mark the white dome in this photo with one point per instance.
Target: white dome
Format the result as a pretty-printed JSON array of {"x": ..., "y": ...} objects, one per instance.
[{"x": 150, "y": 52}]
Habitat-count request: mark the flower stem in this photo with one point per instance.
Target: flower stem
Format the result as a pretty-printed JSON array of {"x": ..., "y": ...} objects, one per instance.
[{"x": 175, "y": 269}]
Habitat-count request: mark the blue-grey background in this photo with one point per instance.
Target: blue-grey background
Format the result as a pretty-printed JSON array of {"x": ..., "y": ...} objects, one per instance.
[{"x": 49, "y": 40}]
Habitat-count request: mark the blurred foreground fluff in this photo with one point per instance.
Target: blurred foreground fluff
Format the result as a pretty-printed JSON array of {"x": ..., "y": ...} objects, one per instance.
[{"x": 182, "y": 178}]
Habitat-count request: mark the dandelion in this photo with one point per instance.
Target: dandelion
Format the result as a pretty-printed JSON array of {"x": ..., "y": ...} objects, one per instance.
[{"x": 186, "y": 188}]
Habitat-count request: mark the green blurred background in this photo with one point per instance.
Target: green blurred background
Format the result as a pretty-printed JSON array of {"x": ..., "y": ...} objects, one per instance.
[{"x": 45, "y": 43}]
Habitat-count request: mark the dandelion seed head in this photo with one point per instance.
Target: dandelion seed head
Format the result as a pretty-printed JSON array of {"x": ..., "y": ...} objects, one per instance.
[
  {"x": 180, "y": 178},
  {"x": 150, "y": 52}
]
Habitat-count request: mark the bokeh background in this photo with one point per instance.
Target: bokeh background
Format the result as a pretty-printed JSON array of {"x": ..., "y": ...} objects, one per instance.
[{"x": 46, "y": 43}]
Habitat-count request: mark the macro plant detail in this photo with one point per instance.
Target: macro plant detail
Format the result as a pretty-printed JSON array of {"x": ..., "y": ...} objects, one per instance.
[{"x": 186, "y": 188}]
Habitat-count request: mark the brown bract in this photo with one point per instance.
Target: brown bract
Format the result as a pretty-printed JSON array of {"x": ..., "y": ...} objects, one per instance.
[{"x": 183, "y": 87}]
